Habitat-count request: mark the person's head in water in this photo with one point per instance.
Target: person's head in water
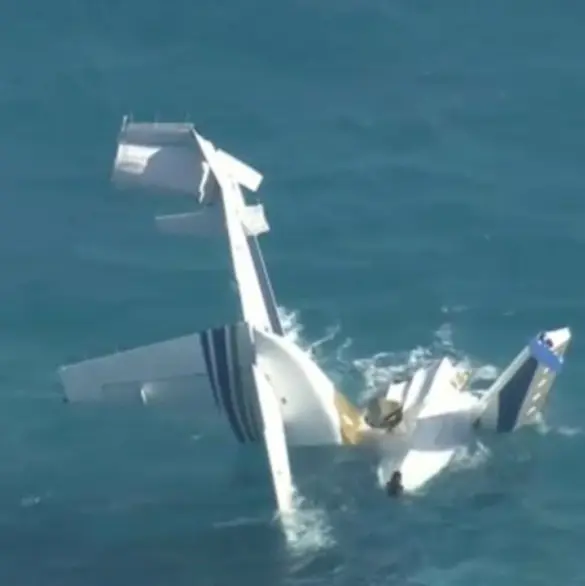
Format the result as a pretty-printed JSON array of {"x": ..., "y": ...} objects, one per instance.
[{"x": 394, "y": 485}]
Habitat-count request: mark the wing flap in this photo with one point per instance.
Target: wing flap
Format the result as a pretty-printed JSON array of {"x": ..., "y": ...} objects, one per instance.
[
  {"x": 125, "y": 373},
  {"x": 209, "y": 222},
  {"x": 166, "y": 156}
]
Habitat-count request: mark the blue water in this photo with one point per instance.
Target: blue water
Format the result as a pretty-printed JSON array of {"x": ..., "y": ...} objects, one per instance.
[{"x": 424, "y": 184}]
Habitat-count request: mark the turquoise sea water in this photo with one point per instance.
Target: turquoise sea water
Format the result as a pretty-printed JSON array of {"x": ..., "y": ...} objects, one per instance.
[{"x": 424, "y": 182}]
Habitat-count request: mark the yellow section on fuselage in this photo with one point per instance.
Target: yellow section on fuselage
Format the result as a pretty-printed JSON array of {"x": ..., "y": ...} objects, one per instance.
[
  {"x": 461, "y": 378},
  {"x": 350, "y": 420}
]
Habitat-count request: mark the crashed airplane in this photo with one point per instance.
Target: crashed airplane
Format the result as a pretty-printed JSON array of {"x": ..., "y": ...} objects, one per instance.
[{"x": 248, "y": 379}]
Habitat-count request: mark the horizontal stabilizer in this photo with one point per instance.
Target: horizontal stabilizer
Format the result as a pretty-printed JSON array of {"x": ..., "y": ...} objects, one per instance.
[
  {"x": 167, "y": 156},
  {"x": 209, "y": 222}
]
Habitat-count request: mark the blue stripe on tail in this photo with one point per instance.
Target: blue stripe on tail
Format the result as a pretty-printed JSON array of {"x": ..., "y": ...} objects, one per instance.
[{"x": 545, "y": 355}]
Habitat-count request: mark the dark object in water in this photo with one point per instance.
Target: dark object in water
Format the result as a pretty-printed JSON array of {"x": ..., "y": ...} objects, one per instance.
[
  {"x": 394, "y": 485},
  {"x": 382, "y": 413}
]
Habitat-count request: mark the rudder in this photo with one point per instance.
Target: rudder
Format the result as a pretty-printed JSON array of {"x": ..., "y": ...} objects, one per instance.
[{"x": 520, "y": 392}]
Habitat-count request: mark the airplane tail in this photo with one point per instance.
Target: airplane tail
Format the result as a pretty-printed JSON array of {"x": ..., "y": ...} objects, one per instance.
[
  {"x": 214, "y": 373},
  {"x": 518, "y": 395}
]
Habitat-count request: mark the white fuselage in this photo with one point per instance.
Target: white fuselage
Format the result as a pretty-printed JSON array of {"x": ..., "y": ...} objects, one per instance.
[{"x": 438, "y": 415}]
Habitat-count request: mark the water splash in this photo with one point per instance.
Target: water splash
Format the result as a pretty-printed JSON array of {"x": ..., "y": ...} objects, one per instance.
[
  {"x": 543, "y": 428},
  {"x": 306, "y": 527},
  {"x": 290, "y": 324},
  {"x": 293, "y": 331},
  {"x": 472, "y": 456},
  {"x": 380, "y": 369}
]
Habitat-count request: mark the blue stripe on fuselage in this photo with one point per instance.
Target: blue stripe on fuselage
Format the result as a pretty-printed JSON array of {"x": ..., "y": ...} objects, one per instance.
[
  {"x": 219, "y": 343},
  {"x": 206, "y": 346},
  {"x": 241, "y": 404}
]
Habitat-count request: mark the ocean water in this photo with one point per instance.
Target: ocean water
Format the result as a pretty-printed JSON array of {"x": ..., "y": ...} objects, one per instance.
[{"x": 424, "y": 179}]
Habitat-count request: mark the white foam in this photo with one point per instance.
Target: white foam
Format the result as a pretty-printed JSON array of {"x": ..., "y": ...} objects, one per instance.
[
  {"x": 543, "y": 428},
  {"x": 290, "y": 324},
  {"x": 306, "y": 528},
  {"x": 472, "y": 456}
]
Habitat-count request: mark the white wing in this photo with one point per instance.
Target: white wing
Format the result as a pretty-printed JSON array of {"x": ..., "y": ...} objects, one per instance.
[
  {"x": 166, "y": 157},
  {"x": 215, "y": 371},
  {"x": 210, "y": 371}
]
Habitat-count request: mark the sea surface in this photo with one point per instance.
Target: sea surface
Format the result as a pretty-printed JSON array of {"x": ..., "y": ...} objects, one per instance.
[{"x": 424, "y": 170}]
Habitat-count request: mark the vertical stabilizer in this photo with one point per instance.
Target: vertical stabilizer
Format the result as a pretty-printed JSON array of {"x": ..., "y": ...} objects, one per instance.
[{"x": 518, "y": 395}]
